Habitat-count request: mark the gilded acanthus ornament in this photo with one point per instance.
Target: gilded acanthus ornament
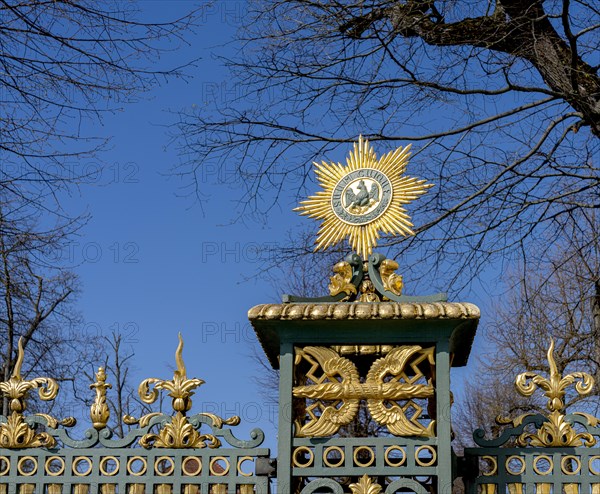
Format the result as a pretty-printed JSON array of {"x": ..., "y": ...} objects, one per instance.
[
  {"x": 392, "y": 282},
  {"x": 336, "y": 379},
  {"x": 15, "y": 432},
  {"x": 99, "y": 411},
  {"x": 180, "y": 388},
  {"x": 179, "y": 432},
  {"x": 16, "y": 388},
  {"x": 365, "y": 486},
  {"x": 557, "y": 431},
  {"x": 340, "y": 281}
]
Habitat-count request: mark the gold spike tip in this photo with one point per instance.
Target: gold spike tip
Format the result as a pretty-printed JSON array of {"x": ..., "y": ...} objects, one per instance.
[
  {"x": 179, "y": 357},
  {"x": 363, "y": 199},
  {"x": 16, "y": 373}
]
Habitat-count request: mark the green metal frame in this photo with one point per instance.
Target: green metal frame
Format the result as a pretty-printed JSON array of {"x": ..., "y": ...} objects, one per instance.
[
  {"x": 498, "y": 467},
  {"x": 161, "y": 470}
]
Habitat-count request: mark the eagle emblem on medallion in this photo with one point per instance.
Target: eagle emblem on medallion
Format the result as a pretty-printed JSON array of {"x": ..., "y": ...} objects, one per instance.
[{"x": 364, "y": 198}]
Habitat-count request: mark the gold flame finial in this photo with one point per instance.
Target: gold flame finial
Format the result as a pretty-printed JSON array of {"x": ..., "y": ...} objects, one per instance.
[
  {"x": 557, "y": 431},
  {"x": 179, "y": 358},
  {"x": 16, "y": 373},
  {"x": 15, "y": 432},
  {"x": 179, "y": 432}
]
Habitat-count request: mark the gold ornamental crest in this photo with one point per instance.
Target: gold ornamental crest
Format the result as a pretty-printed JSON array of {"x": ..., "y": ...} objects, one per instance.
[{"x": 364, "y": 198}]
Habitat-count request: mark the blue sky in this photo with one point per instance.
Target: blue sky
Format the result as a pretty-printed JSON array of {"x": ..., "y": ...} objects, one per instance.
[{"x": 153, "y": 262}]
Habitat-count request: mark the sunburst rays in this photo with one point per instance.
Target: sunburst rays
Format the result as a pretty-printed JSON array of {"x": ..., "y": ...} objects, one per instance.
[{"x": 389, "y": 216}]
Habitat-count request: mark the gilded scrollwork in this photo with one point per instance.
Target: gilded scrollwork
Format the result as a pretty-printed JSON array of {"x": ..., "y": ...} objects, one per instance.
[
  {"x": 336, "y": 390},
  {"x": 178, "y": 432},
  {"x": 340, "y": 282},
  {"x": 16, "y": 432},
  {"x": 180, "y": 388},
  {"x": 557, "y": 430},
  {"x": 392, "y": 281},
  {"x": 219, "y": 422}
]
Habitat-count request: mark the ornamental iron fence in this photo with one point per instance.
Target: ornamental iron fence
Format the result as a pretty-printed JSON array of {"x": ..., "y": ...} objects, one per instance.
[
  {"x": 364, "y": 408},
  {"x": 535, "y": 453},
  {"x": 163, "y": 454}
]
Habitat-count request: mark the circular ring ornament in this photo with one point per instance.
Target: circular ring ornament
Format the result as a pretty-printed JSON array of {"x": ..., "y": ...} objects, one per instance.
[
  {"x": 397, "y": 463},
  {"x": 239, "y": 466},
  {"x": 493, "y": 462},
  {"x": 77, "y": 462},
  {"x": 104, "y": 465},
  {"x": 130, "y": 469},
  {"x": 536, "y": 467},
  {"x": 6, "y": 461},
  {"x": 421, "y": 462},
  {"x": 48, "y": 466},
  {"x": 162, "y": 470},
  {"x": 303, "y": 449},
  {"x": 21, "y": 464},
  {"x": 361, "y": 196},
  {"x": 565, "y": 468},
  {"x": 328, "y": 462},
  {"x": 191, "y": 466},
  {"x": 516, "y": 459},
  {"x": 591, "y": 462},
  {"x": 211, "y": 466},
  {"x": 357, "y": 462}
]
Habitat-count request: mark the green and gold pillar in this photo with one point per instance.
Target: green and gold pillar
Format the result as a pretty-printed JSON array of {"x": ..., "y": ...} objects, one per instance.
[{"x": 364, "y": 390}]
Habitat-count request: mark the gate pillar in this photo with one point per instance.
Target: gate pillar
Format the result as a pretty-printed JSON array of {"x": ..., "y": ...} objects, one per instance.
[{"x": 364, "y": 392}]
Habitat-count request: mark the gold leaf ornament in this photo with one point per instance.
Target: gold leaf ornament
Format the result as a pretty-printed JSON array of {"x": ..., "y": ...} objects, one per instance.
[
  {"x": 180, "y": 388},
  {"x": 15, "y": 433},
  {"x": 392, "y": 281},
  {"x": 557, "y": 431},
  {"x": 178, "y": 432},
  {"x": 555, "y": 386},
  {"x": 16, "y": 388},
  {"x": 340, "y": 281},
  {"x": 365, "y": 486},
  {"x": 99, "y": 411}
]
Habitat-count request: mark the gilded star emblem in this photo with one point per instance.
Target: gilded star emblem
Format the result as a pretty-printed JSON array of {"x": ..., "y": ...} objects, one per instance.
[{"x": 364, "y": 198}]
